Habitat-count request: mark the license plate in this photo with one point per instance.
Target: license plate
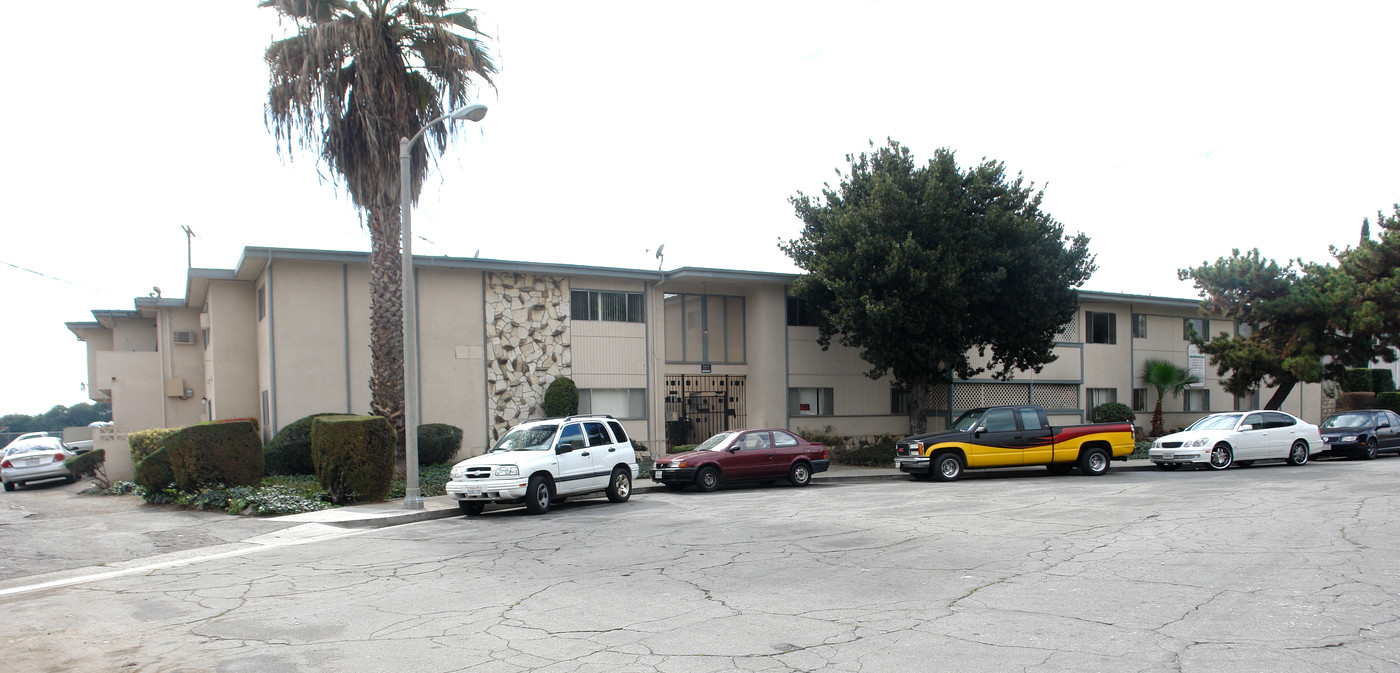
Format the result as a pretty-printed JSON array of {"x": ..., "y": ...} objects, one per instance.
[
  {"x": 657, "y": 473},
  {"x": 1167, "y": 456},
  {"x": 473, "y": 490},
  {"x": 28, "y": 462}
]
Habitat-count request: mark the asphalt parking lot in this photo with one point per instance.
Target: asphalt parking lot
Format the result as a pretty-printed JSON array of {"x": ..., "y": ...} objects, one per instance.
[{"x": 1269, "y": 568}]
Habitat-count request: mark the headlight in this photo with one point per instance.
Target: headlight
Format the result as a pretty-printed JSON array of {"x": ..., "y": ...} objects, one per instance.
[
  {"x": 507, "y": 471},
  {"x": 1349, "y": 438},
  {"x": 458, "y": 473},
  {"x": 1201, "y": 442},
  {"x": 1156, "y": 443}
]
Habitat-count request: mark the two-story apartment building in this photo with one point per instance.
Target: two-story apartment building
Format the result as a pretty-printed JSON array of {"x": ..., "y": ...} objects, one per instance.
[{"x": 675, "y": 355}]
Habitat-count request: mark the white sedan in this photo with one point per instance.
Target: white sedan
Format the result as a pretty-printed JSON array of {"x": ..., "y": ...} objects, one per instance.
[
  {"x": 34, "y": 459},
  {"x": 1238, "y": 438}
]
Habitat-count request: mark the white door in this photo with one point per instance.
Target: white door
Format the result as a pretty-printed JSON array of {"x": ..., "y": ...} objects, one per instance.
[{"x": 576, "y": 464}]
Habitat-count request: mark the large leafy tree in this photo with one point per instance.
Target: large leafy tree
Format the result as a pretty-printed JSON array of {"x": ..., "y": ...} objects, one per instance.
[
  {"x": 917, "y": 266},
  {"x": 1368, "y": 279},
  {"x": 1164, "y": 376},
  {"x": 354, "y": 79}
]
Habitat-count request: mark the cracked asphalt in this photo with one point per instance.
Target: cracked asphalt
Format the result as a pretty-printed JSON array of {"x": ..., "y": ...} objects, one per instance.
[{"x": 1270, "y": 568}]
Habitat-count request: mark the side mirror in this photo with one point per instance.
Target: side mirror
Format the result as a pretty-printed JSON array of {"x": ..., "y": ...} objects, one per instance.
[
  {"x": 734, "y": 449},
  {"x": 1246, "y": 427},
  {"x": 564, "y": 447},
  {"x": 978, "y": 431}
]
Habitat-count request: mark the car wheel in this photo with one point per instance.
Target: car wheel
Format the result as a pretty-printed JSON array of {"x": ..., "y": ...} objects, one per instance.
[
  {"x": 1371, "y": 450},
  {"x": 620, "y": 486},
  {"x": 1060, "y": 468},
  {"x": 9, "y": 486},
  {"x": 947, "y": 467},
  {"x": 1298, "y": 453},
  {"x": 537, "y": 495},
  {"x": 1168, "y": 467},
  {"x": 1220, "y": 457},
  {"x": 707, "y": 480},
  {"x": 71, "y": 479},
  {"x": 471, "y": 508},
  {"x": 800, "y": 474},
  {"x": 1093, "y": 462},
  {"x": 673, "y": 486}
]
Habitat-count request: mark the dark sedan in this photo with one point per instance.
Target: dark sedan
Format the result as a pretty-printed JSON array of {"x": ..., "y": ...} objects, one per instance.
[
  {"x": 759, "y": 454},
  {"x": 1363, "y": 433}
]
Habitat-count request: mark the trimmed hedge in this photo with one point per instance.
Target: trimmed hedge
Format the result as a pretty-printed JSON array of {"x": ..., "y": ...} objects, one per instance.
[
  {"x": 289, "y": 451},
  {"x": 1382, "y": 381},
  {"x": 153, "y": 473},
  {"x": 561, "y": 398},
  {"x": 879, "y": 454},
  {"x": 354, "y": 456},
  {"x": 257, "y": 425},
  {"x": 1367, "y": 380},
  {"x": 438, "y": 443},
  {"x": 1389, "y": 401},
  {"x": 221, "y": 452},
  {"x": 146, "y": 442},
  {"x": 88, "y": 464},
  {"x": 1112, "y": 412},
  {"x": 1357, "y": 400}
]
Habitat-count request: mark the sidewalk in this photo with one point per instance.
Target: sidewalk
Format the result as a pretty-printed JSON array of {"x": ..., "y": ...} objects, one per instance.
[{"x": 393, "y": 513}]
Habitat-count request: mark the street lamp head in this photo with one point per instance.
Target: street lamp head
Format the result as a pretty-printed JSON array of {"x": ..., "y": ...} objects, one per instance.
[{"x": 475, "y": 112}]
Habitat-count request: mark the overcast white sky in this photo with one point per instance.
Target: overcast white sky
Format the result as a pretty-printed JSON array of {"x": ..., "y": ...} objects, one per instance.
[{"x": 1167, "y": 132}]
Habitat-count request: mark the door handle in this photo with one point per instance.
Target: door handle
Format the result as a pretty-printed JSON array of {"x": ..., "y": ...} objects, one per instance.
[
  {"x": 611, "y": 449},
  {"x": 584, "y": 453}
]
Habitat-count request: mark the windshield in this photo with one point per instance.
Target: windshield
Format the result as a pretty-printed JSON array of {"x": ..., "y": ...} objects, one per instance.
[
  {"x": 715, "y": 443},
  {"x": 1347, "y": 421},
  {"x": 1221, "y": 422},
  {"x": 32, "y": 445},
  {"x": 966, "y": 421},
  {"x": 533, "y": 438}
]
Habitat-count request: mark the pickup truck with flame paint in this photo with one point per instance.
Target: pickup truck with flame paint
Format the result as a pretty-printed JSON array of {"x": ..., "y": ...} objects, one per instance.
[{"x": 1012, "y": 436}]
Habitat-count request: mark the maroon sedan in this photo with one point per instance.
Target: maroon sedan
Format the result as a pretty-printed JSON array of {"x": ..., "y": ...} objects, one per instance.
[{"x": 759, "y": 454}]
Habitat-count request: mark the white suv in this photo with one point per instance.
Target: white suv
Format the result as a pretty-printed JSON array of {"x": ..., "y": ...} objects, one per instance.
[{"x": 542, "y": 462}]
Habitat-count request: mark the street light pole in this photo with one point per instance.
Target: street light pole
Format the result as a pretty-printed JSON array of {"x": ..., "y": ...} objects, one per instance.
[{"x": 413, "y": 498}]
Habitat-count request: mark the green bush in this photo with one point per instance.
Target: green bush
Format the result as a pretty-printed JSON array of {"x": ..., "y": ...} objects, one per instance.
[
  {"x": 438, "y": 443},
  {"x": 1382, "y": 381},
  {"x": 205, "y": 454},
  {"x": 1356, "y": 381},
  {"x": 1389, "y": 401},
  {"x": 90, "y": 464},
  {"x": 289, "y": 452},
  {"x": 879, "y": 454},
  {"x": 561, "y": 398},
  {"x": 153, "y": 473},
  {"x": 354, "y": 456},
  {"x": 432, "y": 481},
  {"x": 146, "y": 442},
  {"x": 1112, "y": 412},
  {"x": 826, "y": 435},
  {"x": 682, "y": 448},
  {"x": 1356, "y": 400},
  {"x": 678, "y": 433}
]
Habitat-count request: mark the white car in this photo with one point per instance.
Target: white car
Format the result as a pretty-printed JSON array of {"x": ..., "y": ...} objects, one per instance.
[
  {"x": 542, "y": 462},
  {"x": 1238, "y": 438},
  {"x": 34, "y": 459}
]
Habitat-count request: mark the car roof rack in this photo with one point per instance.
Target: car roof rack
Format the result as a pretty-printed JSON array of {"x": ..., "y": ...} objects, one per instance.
[{"x": 607, "y": 416}]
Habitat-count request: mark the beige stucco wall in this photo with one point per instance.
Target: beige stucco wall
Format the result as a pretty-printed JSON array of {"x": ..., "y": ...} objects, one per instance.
[
  {"x": 231, "y": 356},
  {"x": 184, "y": 362},
  {"x": 765, "y": 326},
  {"x": 452, "y": 369},
  {"x": 134, "y": 334},
  {"x": 861, "y": 405}
]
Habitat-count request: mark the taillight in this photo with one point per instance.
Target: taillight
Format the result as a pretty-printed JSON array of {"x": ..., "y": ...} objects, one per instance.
[
  {"x": 58, "y": 457},
  {"x": 6, "y": 465}
]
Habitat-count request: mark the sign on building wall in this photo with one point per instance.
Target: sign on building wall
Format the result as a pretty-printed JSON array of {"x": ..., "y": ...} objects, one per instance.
[{"x": 1196, "y": 365}]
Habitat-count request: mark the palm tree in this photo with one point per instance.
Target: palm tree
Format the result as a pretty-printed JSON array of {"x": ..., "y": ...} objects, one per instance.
[
  {"x": 1165, "y": 376},
  {"x": 355, "y": 78}
]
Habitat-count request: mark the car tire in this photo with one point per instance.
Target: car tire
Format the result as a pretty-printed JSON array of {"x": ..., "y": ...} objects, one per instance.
[
  {"x": 1221, "y": 457},
  {"x": 1093, "y": 462},
  {"x": 947, "y": 467},
  {"x": 1060, "y": 468},
  {"x": 1168, "y": 467},
  {"x": 800, "y": 474},
  {"x": 470, "y": 508},
  {"x": 707, "y": 479},
  {"x": 538, "y": 495},
  {"x": 1298, "y": 453},
  {"x": 71, "y": 479},
  {"x": 1372, "y": 449},
  {"x": 9, "y": 486},
  {"x": 620, "y": 485},
  {"x": 673, "y": 486}
]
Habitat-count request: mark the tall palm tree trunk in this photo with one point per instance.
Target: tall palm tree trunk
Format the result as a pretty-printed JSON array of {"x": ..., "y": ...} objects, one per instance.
[{"x": 386, "y": 318}]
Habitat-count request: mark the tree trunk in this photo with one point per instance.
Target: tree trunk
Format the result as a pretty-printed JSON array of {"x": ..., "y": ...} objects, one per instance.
[
  {"x": 918, "y": 416},
  {"x": 1284, "y": 388},
  {"x": 386, "y": 318},
  {"x": 1157, "y": 417}
]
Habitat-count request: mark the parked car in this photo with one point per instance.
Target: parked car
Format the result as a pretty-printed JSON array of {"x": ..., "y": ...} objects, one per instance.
[
  {"x": 1238, "y": 438},
  {"x": 755, "y": 454},
  {"x": 542, "y": 462},
  {"x": 1363, "y": 433},
  {"x": 22, "y": 438},
  {"x": 34, "y": 459}
]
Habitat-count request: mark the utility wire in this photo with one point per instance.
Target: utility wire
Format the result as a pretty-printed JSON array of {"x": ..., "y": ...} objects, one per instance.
[{"x": 45, "y": 275}]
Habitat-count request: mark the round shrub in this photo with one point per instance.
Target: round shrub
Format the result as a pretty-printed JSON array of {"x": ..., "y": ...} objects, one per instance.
[
  {"x": 438, "y": 443},
  {"x": 153, "y": 473},
  {"x": 1112, "y": 412},
  {"x": 561, "y": 398},
  {"x": 219, "y": 453},
  {"x": 289, "y": 452},
  {"x": 87, "y": 464},
  {"x": 146, "y": 442},
  {"x": 354, "y": 456}
]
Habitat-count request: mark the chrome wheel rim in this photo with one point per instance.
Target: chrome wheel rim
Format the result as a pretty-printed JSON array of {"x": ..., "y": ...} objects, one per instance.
[
  {"x": 1097, "y": 462},
  {"x": 709, "y": 478},
  {"x": 800, "y": 473},
  {"x": 1371, "y": 448},
  {"x": 622, "y": 484},
  {"x": 1219, "y": 457},
  {"x": 948, "y": 467},
  {"x": 1300, "y": 453},
  {"x": 542, "y": 495}
]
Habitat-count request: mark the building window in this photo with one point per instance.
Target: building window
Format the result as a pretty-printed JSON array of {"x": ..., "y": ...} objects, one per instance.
[
  {"x": 810, "y": 401},
  {"x": 262, "y": 302},
  {"x": 1197, "y": 400},
  {"x": 621, "y": 403},
  {"x": 1247, "y": 402},
  {"x": 1139, "y": 399},
  {"x": 1139, "y": 326},
  {"x": 265, "y": 409},
  {"x": 606, "y": 306},
  {"x": 1245, "y": 330},
  {"x": 704, "y": 328},
  {"x": 1197, "y": 325},
  {"x": 800, "y": 313},
  {"x": 1100, "y": 328},
  {"x": 900, "y": 399},
  {"x": 205, "y": 332},
  {"x": 1099, "y": 396}
]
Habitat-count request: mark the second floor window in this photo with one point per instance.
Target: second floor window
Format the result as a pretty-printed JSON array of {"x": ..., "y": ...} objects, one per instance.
[
  {"x": 605, "y": 305},
  {"x": 1100, "y": 328}
]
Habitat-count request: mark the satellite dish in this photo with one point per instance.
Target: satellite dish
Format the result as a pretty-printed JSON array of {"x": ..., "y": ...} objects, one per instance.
[{"x": 660, "y": 261}]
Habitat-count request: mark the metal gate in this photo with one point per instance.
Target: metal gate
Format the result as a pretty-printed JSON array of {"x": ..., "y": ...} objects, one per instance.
[{"x": 698, "y": 407}]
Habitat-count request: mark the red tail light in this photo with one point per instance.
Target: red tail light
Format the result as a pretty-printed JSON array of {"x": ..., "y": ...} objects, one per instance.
[
  {"x": 6, "y": 465},
  {"x": 59, "y": 457}
]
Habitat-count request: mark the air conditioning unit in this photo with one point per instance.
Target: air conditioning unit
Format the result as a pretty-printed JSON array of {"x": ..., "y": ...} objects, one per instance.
[{"x": 186, "y": 338}]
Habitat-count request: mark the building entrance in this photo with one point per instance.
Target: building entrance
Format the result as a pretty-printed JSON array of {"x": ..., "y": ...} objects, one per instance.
[{"x": 697, "y": 407}]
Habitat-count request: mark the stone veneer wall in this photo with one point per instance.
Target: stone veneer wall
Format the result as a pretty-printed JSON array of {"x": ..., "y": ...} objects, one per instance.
[{"x": 527, "y": 344}]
